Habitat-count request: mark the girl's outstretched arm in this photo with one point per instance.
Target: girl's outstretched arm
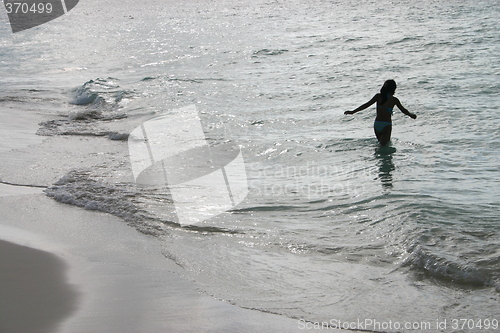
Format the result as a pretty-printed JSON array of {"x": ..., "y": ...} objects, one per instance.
[
  {"x": 364, "y": 106},
  {"x": 403, "y": 109}
]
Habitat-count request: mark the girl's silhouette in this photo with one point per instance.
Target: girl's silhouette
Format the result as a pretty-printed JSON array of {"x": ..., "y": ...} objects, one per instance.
[{"x": 385, "y": 104}]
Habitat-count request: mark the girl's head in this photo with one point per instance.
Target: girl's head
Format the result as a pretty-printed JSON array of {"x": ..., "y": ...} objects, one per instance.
[{"x": 387, "y": 90}]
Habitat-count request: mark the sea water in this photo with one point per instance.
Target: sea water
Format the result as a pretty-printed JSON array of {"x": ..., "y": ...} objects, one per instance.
[{"x": 334, "y": 228}]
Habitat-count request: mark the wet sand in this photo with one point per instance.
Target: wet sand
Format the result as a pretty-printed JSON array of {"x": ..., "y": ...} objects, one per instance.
[
  {"x": 73, "y": 270},
  {"x": 34, "y": 296}
]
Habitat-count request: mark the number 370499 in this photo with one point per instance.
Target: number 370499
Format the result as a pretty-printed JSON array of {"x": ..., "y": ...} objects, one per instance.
[
  {"x": 25, "y": 8},
  {"x": 472, "y": 324}
]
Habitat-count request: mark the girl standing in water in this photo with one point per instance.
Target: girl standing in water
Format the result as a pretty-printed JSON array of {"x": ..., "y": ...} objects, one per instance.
[{"x": 385, "y": 104}]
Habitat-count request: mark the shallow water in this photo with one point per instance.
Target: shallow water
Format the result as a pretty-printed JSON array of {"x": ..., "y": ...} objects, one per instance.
[{"x": 333, "y": 226}]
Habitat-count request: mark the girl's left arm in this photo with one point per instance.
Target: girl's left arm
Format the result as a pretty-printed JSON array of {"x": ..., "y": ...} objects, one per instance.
[{"x": 403, "y": 109}]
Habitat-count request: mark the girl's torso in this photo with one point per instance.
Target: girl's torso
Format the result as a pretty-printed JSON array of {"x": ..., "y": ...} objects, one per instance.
[{"x": 385, "y": 110}]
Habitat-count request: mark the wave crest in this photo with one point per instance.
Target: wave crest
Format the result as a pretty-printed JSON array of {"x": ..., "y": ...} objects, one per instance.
[{"x": 454, "y": 271}]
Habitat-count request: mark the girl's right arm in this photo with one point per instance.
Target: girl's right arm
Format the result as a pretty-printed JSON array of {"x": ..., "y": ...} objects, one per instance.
[{"x": 364, "y": 106}]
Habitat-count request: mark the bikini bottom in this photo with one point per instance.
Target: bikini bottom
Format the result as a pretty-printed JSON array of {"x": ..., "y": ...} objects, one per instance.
[{"x": 380, "y": 125}]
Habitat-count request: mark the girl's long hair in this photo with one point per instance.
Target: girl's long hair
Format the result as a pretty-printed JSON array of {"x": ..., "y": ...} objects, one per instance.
[{"x": 387, "y": 89}]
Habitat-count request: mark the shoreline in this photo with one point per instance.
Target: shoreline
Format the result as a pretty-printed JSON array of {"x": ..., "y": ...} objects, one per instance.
[{"x": 115, "y": 277}]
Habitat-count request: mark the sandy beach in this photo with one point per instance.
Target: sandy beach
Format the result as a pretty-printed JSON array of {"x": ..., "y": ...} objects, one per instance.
[
  {"x": 65, "y": 269},
  {"x": 35, "y": 295}
]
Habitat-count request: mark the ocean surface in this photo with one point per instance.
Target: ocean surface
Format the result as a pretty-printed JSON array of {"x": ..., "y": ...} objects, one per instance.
[{"x": 334, "y": 228}]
